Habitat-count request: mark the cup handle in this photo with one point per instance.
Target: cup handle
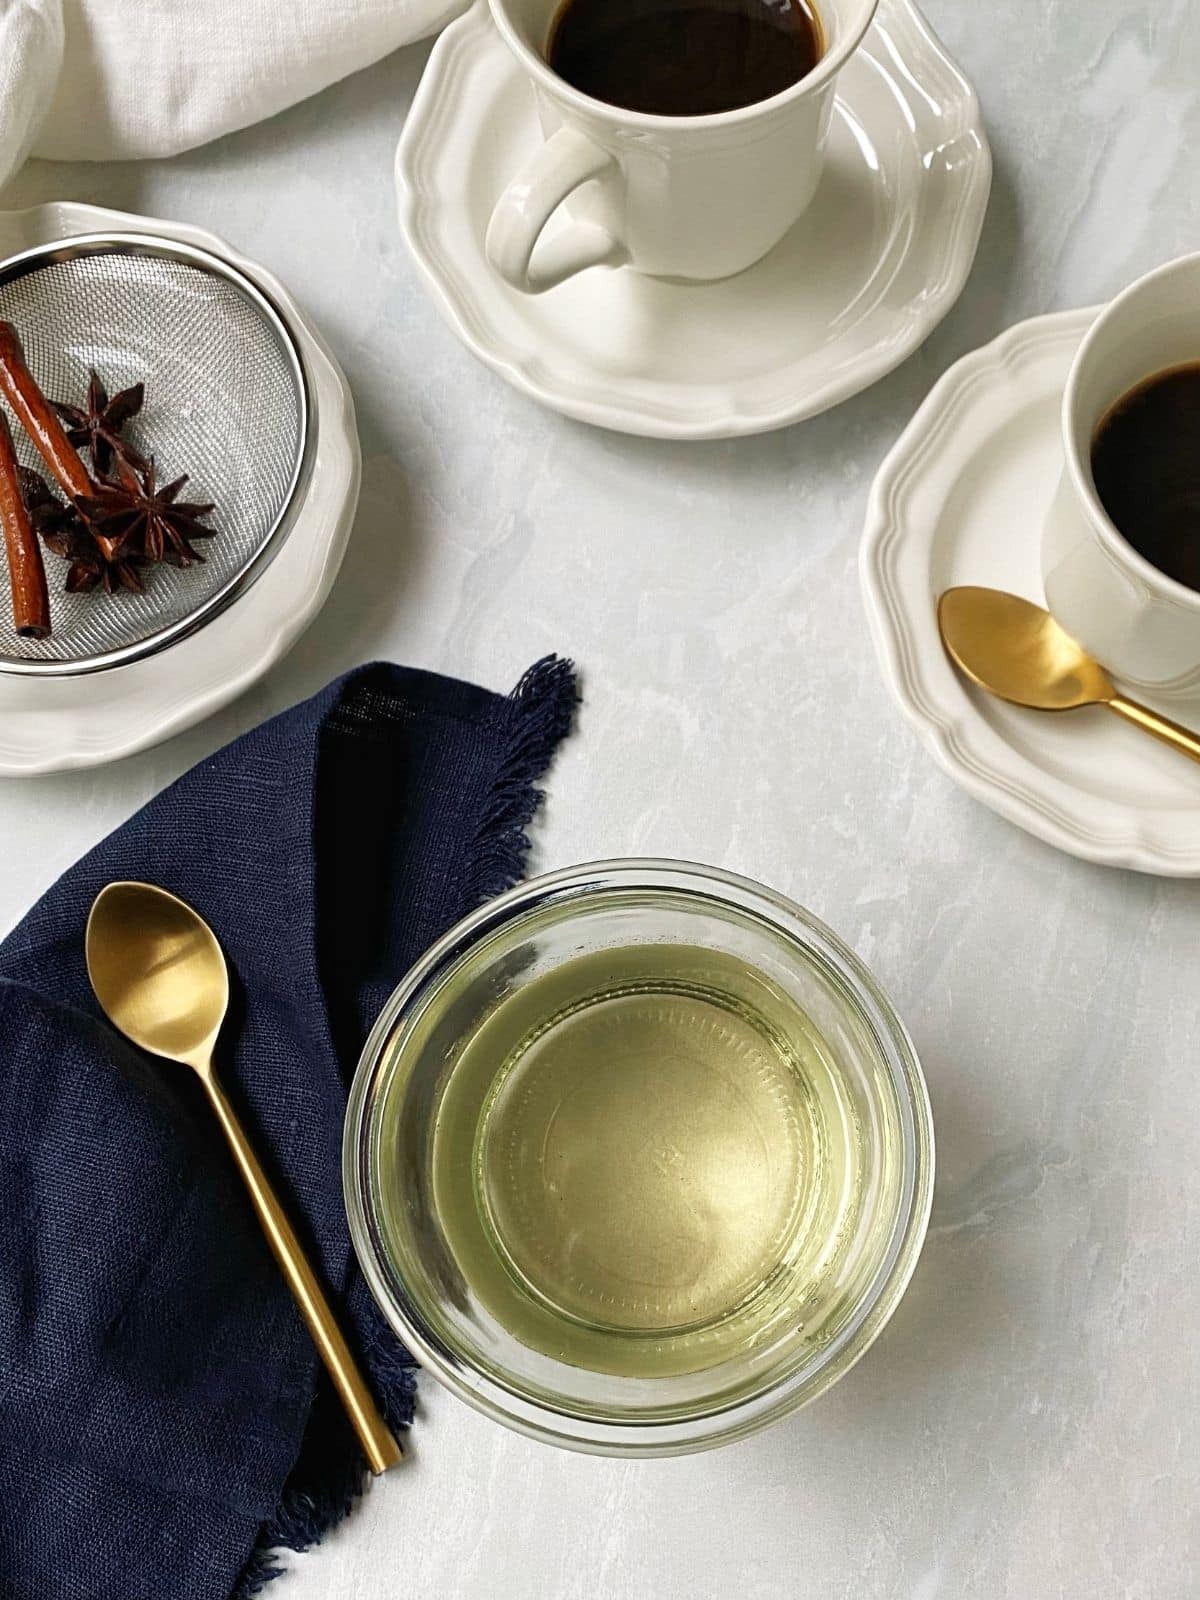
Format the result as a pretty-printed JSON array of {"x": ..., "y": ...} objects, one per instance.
[{"x": 566, "y": 160}]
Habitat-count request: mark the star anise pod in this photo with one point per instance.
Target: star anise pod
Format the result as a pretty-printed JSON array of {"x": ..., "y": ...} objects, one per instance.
[
  {"x": 46, "y": 511},
  {"x": 132, "y": 517},
  {"x": 65, "y": 534},
  {"x": 98, "y": 425},
  {"x": 90, "y": 567},
  {"x": 36, "y": 492}
]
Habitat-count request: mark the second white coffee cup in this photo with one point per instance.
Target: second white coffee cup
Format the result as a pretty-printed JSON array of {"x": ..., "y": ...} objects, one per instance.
[
  {"x": 1143, "y": 625},
  {"x": 684, "y": 197}
]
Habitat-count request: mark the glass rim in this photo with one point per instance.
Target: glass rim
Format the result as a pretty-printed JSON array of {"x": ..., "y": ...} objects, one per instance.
[{"x": 726, "y": 1419}]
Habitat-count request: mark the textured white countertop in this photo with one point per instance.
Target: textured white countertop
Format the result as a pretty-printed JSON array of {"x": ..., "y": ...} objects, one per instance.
[{"x": 1026, "y": 1427}]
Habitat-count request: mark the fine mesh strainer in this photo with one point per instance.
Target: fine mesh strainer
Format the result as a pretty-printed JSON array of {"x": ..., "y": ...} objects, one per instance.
[{"x": 227, "y": 401}]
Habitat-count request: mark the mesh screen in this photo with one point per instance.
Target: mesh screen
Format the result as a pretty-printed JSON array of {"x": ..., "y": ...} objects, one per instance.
[{"x": 222, "y": 404}]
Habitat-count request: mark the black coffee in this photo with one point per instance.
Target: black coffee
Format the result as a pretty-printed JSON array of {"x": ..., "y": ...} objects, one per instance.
[
  {"x": 1146, "y": 467},
  {"x": 684, "y": 58}
]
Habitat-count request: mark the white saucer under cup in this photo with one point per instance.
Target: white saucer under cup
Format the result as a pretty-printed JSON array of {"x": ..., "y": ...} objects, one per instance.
[
  {"x": 873, "y": 265},
  {"x": 961, "y": 498}
]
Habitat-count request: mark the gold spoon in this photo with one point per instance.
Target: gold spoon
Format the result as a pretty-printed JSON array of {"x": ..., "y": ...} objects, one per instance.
[
  {"x": 161, "y": 978},
  {"x": 1015, "y": 649}
]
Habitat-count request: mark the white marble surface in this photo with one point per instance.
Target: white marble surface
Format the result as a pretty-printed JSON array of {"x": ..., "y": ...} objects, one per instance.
[{"x": 1025, "y": 1426}]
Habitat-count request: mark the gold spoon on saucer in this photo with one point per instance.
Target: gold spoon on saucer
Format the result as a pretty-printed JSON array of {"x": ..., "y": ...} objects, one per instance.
[
  {"x": 161, "y": 978},
  {"x": 1016, "y": 650}
]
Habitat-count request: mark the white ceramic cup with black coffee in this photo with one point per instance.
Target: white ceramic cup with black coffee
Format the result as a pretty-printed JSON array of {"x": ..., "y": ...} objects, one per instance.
[
  {"x": 687, "y": 191},
  {"x": 1121, "y": 544}
]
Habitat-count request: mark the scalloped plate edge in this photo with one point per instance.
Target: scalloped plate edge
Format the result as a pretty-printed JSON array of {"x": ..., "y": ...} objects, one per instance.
[
  {"x": 447, "y": 63},
  {"x": 952, "y": 736}
]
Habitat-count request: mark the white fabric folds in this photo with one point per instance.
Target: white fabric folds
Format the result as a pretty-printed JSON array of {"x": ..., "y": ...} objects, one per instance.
[{"x": 112, "y": 80}]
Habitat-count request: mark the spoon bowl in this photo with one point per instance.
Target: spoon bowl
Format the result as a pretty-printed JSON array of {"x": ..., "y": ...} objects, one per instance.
[
  {"x": 1017, "y": 651},
  {"x": 158, "y": 972}
]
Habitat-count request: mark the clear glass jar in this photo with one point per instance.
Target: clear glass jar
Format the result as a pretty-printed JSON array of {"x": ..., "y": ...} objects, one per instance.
[{"x": 425, "y": 1270}]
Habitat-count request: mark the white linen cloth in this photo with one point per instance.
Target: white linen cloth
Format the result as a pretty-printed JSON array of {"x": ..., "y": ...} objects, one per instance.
[{"x": 114, "y": 79}]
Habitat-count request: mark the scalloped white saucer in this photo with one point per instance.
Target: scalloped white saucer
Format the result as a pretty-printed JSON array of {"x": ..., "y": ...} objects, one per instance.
[
  {"x": 865, "y": 275},
  {"x": 960, "y": 499},
  {"x": 50, "y": 724}
]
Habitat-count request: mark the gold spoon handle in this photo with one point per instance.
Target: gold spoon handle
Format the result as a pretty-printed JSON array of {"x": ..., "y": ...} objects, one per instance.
[
  {"x": 1181, "y": 739},
  {"x": 382, "y": 1450}
]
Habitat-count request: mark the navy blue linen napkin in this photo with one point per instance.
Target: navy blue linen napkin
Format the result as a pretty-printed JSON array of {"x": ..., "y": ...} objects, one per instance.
[{"x": 164, "y": 1422}]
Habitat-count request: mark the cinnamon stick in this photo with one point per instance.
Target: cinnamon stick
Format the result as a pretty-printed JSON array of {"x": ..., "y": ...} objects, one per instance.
[
  {"x": 39, "y": 418},
  {"x": 26, "y": 574}
]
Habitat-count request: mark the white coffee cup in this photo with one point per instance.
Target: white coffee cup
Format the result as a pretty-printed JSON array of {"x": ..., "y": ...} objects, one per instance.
[
  {"x": 1140, "y": 623},
  {"x": 683, "y": 197}
]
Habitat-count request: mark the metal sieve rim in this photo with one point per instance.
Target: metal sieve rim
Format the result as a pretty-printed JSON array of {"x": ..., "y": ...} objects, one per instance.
[{"x": 158, "y": 246}]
